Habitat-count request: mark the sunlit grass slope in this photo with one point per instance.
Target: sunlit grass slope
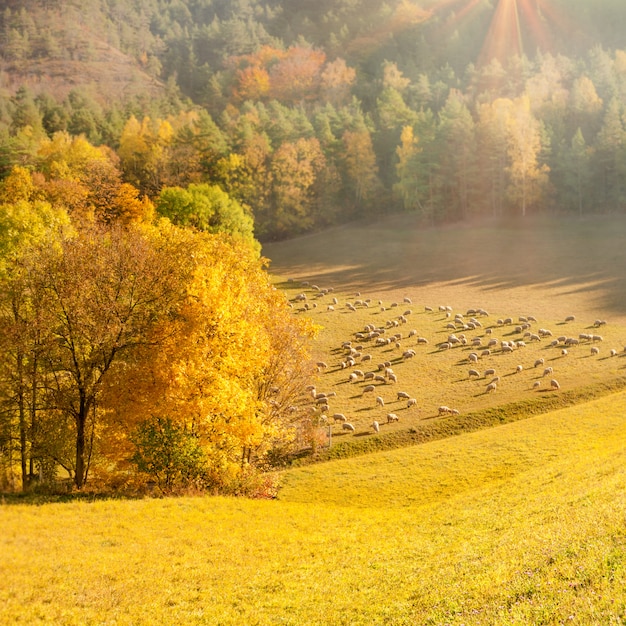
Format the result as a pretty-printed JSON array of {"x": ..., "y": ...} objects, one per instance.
[
  {"x": 549, "y": 270},
  {"x": 520, "y": 524}
]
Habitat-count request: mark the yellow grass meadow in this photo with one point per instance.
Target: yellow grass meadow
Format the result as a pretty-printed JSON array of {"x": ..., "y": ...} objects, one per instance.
[{"x": 520, "y": 524}]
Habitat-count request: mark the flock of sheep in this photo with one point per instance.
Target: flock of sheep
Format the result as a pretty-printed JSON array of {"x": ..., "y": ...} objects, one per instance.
[{"x": 373, "y": 356}]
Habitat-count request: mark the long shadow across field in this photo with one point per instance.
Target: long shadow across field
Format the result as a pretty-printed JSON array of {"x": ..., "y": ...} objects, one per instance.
[{"x": 582, "y": 262}]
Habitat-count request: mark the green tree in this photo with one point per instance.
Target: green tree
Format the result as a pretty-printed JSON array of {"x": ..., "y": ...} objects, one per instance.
[{"x": 206, "y": 208}]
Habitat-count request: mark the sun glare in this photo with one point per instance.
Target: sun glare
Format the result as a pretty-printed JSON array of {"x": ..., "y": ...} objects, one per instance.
[{"x": 516, "y": 26}]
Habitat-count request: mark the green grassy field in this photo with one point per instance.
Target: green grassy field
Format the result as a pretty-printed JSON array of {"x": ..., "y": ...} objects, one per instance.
[{"x": 523, "y": 523}]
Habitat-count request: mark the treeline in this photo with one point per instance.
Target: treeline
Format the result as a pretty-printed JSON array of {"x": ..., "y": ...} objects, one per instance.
[
  {"x": 331, "y": 112},
  {"x": 139, "y": 341}
]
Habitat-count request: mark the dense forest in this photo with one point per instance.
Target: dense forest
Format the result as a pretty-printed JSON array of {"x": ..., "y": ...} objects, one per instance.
[
  {"x": 310, "y": 114},
  {"x": 173, "y": 134}
]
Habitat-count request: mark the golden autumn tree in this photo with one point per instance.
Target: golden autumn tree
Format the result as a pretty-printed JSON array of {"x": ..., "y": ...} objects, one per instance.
[
  {"x": 361, "y": 169},
  {"x": 106, "y": 287},
  {"x": 231, "y": 349},
  {"x": 528, "y": 177},
  {"x": 294, "y": 169}
]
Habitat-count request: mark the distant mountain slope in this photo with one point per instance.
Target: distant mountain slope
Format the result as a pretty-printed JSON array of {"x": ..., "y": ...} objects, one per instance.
[{"x": 54, "y": 47}]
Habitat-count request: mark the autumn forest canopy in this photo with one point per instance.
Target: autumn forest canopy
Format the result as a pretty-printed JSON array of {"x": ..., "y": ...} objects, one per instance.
[{"x": 146, "y": 148}]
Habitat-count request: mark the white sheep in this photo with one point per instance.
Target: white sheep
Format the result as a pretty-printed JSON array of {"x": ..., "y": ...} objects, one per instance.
[
  {"x": 539, "y": 362},
  {"x": 555, "y": 384},
  {"x": 547, "y": 371},
  {"x": 403, "y": 395},
  {"x": 595, "y": 350},
  {"x": 490, "y": 372},
  {"x": 444, "y": 410},
  {"x": 392, "y": 417},
  {"x": 368, "y": 389},
  {"x": 473, "y": 373},
  {"x": 348, "y": 426},
  {"x": 380, "y": 401},
  {"x": 411, "y": 402},
  {"x": 376, "y": 426},
  {"x": 339, "y": 417},
  {"x": 491, "y": 387},
  {"x": 519, "y": 368}
]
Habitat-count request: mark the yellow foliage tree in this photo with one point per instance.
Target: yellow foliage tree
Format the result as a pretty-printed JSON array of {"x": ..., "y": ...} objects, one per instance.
[{"x": 225, "y": 368}]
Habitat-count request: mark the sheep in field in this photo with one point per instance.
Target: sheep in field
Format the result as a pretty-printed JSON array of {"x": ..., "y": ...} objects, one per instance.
[
  {"x": 348, "y": 426},
  {"x": 339, "y": 417},
  {"x": 392, "y": 417},
  {"x": 369, "y": 389},
  {"x": 379, "y": 401},
  {"x": 403, "y": 395},
  {"x": 444, "y": 410},
  {"x": 491, "y": 387},
  {"x": 376, "y": 426},
  {"x": 554, "y": 384},
  {"x": 411, "y": 402}
]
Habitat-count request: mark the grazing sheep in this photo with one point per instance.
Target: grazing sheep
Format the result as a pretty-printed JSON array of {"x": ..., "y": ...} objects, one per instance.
[
  {"x": 366, "y": 357},
  {"x": 422, "y": 340},
  {"x": 339, "y": 417},
  {"x": 411, "y": 402},
  {"x": 613, "y": 352},
  {"x": 369, "y": 389},
  {"x": 379, "y": 401},
  {"x": 595, "y": 350},
  {"x": 403, "y": 395},
  {"x": 519, "y": 368},
  {"x": 407, "y": 300},
  {"x": 330, "y": 307},
  {"x": 539, "y": 362},
  {"x": 392, "y": 417},
  {"x": 491, "y": 387},
  {"x": 547, "y": 371},
  {"x": 376, "y": 426},
  {"x": 473, "y": 373},
  {"x": 369, "y": 376},
  {"x": 570, "y": 318},
  {"x": 322, "y": 365},
  {"x": 455, "y": 412},
  {"x": 472, "y": 357},
  {"x": 536, "y": 384},
  {"x": 485, "y": 353},
  {"x": 428, "y": 309},
  {"x": 564, "y": 352},
  {"x": 392, "y": 378},
  {"x": 348, "y": 426},
  {"x": 379, "y": 379},
  {"x": 444, "y": 410},
  {"x": 490, "y": 372},
  {"x": 554, "y": 384}
]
